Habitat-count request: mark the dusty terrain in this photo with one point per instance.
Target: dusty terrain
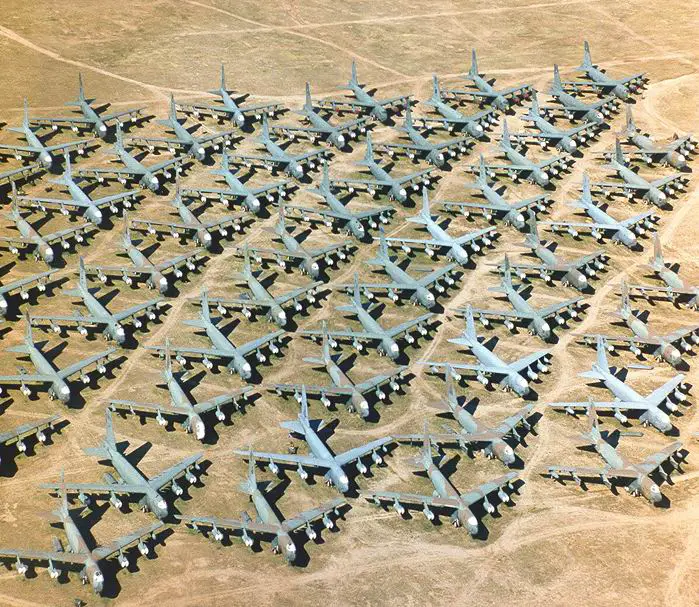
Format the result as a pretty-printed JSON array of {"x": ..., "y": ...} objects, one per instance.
[{"x": 557, "y": 543}]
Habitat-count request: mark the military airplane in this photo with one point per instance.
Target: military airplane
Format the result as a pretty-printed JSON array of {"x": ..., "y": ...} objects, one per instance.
[
  {"x": 485, "y": 93},
  {"x": 222, "y": 347},
  {"x": 342, "y": 386},
  {"x": 633, "y": 185},
  {"x": 190, "y": 226},
  {"x": 79, "y": 201},
  {"x": 571, "y": 273},
  {"x": 394, "y": 187},
  {"x": 91, "y": 118},
  {"x": 637, "y": 478},
  {"x": 143, "y": 267},
  {"x": 237, "y": 191},
  {"x": 373, "y": 333},
  {"x": 337, "y": 214},
  {"x": 77, "y": 554},
  {"x": 674, "y": 287},
  {"x": 445, "y": 497},
  {"x": 35, "y": 148},
  {"x": 417, "y": 288},
  {"x": 626, "y": 398},
  {"x": 574, "y": 108},
  {"x": 490, "y": 364},
  {"x": 320, "y": 457},
  {"x": 134, "y": 170},
  {"x": 132, "y": 483},
  {"x": 441, "y": 242},
  {"x": 536, "y": 319},
  {"x": 261, "y": 298},
  {"x": 181, "y": 406},
  {"x": 48, "y": 375},
  {"x": 29, "y": 240},
  {"x": 98, "y": 315},
  {"x": 267, "y": 523},
  {"x": 229, "y": 108},
  {"x": 22, "y": 287},
  {"x": 599, "y": 82},
  {"x": 183, "y": 139},
  {"x": 602, "y": 223},
  {"x": 291, "y": 164},
  {"x": 20, "y": 434},
  {"x": 364, "y": 101},
  {"x": 320, "y": 128},
  {"x": 496, "y": 205},
  {"x": 661, "y": 347},
  {"x": 296, "y": 252},
  {"x": 435, "y": 152}
]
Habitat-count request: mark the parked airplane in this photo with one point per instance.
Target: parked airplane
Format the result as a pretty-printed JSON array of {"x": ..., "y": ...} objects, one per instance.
[
  {"x": 22, "y": 287},
  {"x": 574, "y": 108},
  {"x": 19, "y": 435}
]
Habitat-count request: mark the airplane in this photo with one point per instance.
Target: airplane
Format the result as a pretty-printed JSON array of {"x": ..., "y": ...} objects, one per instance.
[
  {"x": 22, "y": 287},
  {"x": 291, "y": 164},
  {"x": 267, "y": 523},
  {"x": 394, "y": 187},
  {"x": 48, "y": 375},
  {"x": 261, "y": 298},
  {"x": 40, "y": 245},
  {"x": 131, "y": 483},
  {"x": 134, "y": 169},
  {"x": 98, "y": 314},
  {"x": 661, "y": 347},
  {"x": 183, "y": 139},
  {"x": 320, "y": 127},
  {"x": 297, "y": 253},
  {"x": 364, "y": 101},
  {"x": 19, "y": 435},
  {"x": 342, "y": 386},
  {"x": 320, "y": 457},
  {"x": 441, "y": 242},
  {"x": 599, "y": 82},
  {"x": 521, "y": 167},
  {"x": 626, "y": 398},
  {"x": 536, "y": 319},
  {"x": 79, "y": 201},
  {"x": 550, "y": 134},
  {"x": 91, "y": 117},
  {"x": 435, "y": 153},
  {"x": 402, "y": 282},
  {"x": 490, "y": 364},
  {"x": 373, "y": 333},
  {"x": 571, "y": 273},
  {"x": 190, "y": 226},
  {"x": 445, "y": 497},
  {"x": 485, "y": 93},
  {"x": 222, "y": 347},
  {"x": 142, "y": 267},
  {"x": 229, "y": 109},
  {"x": 236, "y": 190},
  {"x": 637, "y": 478},
  {"x": 602, "y": 223},
  {"x": 496, "y": 205},
  {"x": 452, "y": 119},
  {"x": 181, "y": 406},
  {"x": 77, "y": 554},
  {"x": 673, "y": 153},
  {"x": 573, "y": 108},
  {"x": 633, "y": 185},
  {"x": 337, "y": 214},
  {"x": 472, "y": 432},
  {"x": 35, "y": 148},
  {"x": 674, "y": 287}
]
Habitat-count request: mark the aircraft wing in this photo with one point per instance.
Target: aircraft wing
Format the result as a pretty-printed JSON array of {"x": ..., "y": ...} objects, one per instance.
[
  {"x": 591, "y": 339},
  {"x": 577, "y": 226},
  {"x": 413, "y": 178},
  {"x": 432, "y": 277},
  {"x": 584, "y": 260},
  {"x": 245, "y": 523},
  {"x": 107, "y": 172},
  {"x": 362, "y": 184},
  {"x": 315, "y": 153},
  {"x": 62, "y": 121},
  {"x": 71, "y": 233},
  {"x": 414, "y": 499},
  {"x": 30, "y": 429},
  {"x": 165, "y": 165},
  {"x": 76, "y": 320},
  {"x": 359, "y": 335},
  {"x": 191, "y": 351},
  {"x": 18, "y": 150},
  {"x": 101, "y": 489},
  {"x": 616, "y": 405},
  {"x": 133, "y": 407},
  {"x": 653, "y": 462},
  {"x": 553, "y": 309},
  {"x": 167, "y": 143},
  {"x": 667, "y": 290},
  {"x": 669, "y": 179},
  {"x": 276, "y": 254},
  {"x": 180, "y": 260},
  {"x": 23, "y": 172},
  {"x": 632, "y": 221},
  {"x": 358, "y": 452},
  {"x": 81, "y": 364},
  {"x": 527, "y": 361},
  {"x": 128, "y": 540},
  {"x": 61, "y": 203},
  {"x": 287, "y": 459},
  {"x": 44, "y": 559},
  {"x": 213, "y": 139},
  {"x": 499, "y": 314},
  {"x": 169, "y": 475},
  {"x": 16, "y": 242},
  {"x": 70, "y": 146},
  {"x": 660, "y": 394},
  {"x": 584, "y": 471},
  {"x": 279, "y": 187},
  {"x": 382, "y": 379},
  {"x": 509, "y": 424},
  {"x": 309, "y": 516},
  {"x": 23, "y": 284},
  {"x": 482, "y": 491},
  {"x": 312, "y": 389},
  {"x": 256, "y": 344},
  {"x": 322, "y": 251},
  {"x": 148, "y": 306},
  {"x": 294, "y": 294},
  {"x": 26, "y": 378},
  {"x": 404, "y": 327},
  {"x": 225, "y": 399}
]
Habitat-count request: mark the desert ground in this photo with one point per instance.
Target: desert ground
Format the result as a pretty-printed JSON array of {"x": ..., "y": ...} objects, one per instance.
[{"x": 554, "y": 543}]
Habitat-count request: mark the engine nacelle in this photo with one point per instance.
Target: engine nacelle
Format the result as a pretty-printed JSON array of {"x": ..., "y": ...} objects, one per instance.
[{"x": 361, "y": 467}]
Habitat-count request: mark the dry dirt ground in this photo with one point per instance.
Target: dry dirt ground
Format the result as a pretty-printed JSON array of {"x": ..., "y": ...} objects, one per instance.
[{"x": 557, "y": 544}]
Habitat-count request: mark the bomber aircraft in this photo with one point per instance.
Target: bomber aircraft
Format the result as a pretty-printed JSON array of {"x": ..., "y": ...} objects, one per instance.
[{"x": 574, "y": 108}]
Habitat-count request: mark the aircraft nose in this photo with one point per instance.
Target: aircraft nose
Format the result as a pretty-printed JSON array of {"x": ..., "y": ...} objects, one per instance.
[
  {"x": 240, "y": 120},
  {"x": 48, "y": 255},
  {"x": 103, "y": 128},
  {"x": 46, "y": 160},
  {"x": 298, "y": 171}
]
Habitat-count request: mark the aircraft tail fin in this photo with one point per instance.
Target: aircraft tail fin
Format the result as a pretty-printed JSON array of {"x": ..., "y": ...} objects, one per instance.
[
  {"x": 631, "y": 127},
  {"x": 25, "y": 115},
  {"x": 557, "y": 86},
  {"x": 325, "y": 179},
  {"x": 204, "y": 312},
  {"x": 602, "y": 354},
  {"x": 82, "y": 278},
  {"x": 506, "y": 278},
  {"x": 14, "y": 207},
  {"x": 250, "y": 483},
  {"x": 424, "y": 216},
  {"x": 223, "y": 77},
  {"x": 625, "y": 304},
  {"x": 109, "y": 438},
  {"x": 505, "y": 143},
  {"x": 482, "y": 172},
  {"x": 303, "y": 414},
  {"x": 356, "y": 293},
  {"x": 28, "y": 337},
  {"x": 587, "y": 58},
  {"x": 382, "y": 258},
  {"x": 585, "y": 199},
  {"x": 168, "y": 360},
  {"x": 62, "y": 512},
  {"x": 593, "y": 434},
  {"x": 126, "y": 236},
  {"x": 369, "y": 153},
  {"x": 81, "y": 88},
  {"x": 473, "y": 72},
  {"x": 281, "y": 220},
  {"x": 436, "y": 92},
  {"x": 657, "y": 262},
  {"x": 353, "y": 79},
  {"x": 408, "y": 120},
  {"x": 327, "y": 356},
  {"x": 618, "y": 152},
  {"x": 532, "y": 238},
  {"x": 308, "y": 104},
  {"x": 470, "y": 332},
  {"x": 534, "y": 108}
]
